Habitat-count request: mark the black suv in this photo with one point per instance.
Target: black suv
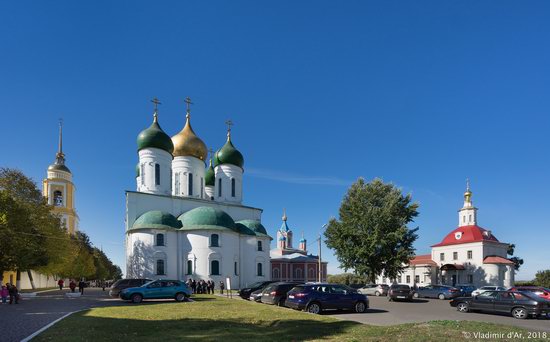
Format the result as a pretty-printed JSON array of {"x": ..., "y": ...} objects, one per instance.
[
  {"x": 398, "y": 291},
  {"x": 245, "y": 293},
  {"x": 276, "y": 293},
  {"x": 122, "y": 284}
]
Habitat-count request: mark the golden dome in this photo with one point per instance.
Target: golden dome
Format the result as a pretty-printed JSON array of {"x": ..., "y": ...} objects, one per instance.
[{"x": 186, "y": 143}]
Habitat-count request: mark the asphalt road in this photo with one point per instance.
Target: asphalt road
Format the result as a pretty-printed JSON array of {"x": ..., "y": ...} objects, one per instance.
[
  {"x": 31, "y": 314},
  {"x": 383, "y": 312}
]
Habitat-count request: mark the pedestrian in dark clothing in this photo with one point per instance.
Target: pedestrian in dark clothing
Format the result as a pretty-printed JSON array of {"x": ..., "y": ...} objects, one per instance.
[
  {"x": 72, "y": 286},
  {"x": 14, "y": 294},
  {"x": 194, "y": 286},
  {"x": 222, "y": 287},
  {"x": 60, "y": 283},
  {"x": 212, "y": 286},
  {"x": 208, "y": 286},
  {"x": 81, "y": 286}
]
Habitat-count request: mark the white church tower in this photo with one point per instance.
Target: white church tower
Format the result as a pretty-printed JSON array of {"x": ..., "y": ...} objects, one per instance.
[
  {"x": 155, "y": 158},
  {"x": 228, "y": 170},
  {"x": 467, "y": 216},
  {"x": 189, "y": 157}
]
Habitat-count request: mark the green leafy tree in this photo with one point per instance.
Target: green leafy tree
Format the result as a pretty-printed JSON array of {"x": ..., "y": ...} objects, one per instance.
[
  {"x": 542, "y": 278},
  {"x": 346, "y": 279},
  {"x": 371, "y": 236},
  {"x": 517, "y": 261}
]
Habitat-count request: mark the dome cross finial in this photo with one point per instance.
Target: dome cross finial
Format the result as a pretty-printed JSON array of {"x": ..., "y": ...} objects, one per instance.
[
  {"x": 156, "y": 109},
  {"x": 60, "y": 144},
  {"x": 229, "y": 123},
  {"x": 284, "y": 215},
  {"x": 188, "y": 104},
  {"x": 467, "y": 184}
]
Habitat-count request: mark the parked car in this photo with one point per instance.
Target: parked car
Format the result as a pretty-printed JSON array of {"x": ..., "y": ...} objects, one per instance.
[
  {"x": 375, "y": 289},
  {"x": 466, "y": 290},
  {"x": 276, "y": 293},
  {"x": 256, "y": 295},
  {"x": 437, "y": 291},
  {"x": 157, "y": 289},
  {"x": 400, "y": 292},
  {"x": 540, "y": 291},
  {"x": 245, "y": 292},
  {"x": 487, "y": 288},
  {"x": 315, "y": 298},
  {"x": 520, "y": 304},
  {"x": 122, "y": 284}
]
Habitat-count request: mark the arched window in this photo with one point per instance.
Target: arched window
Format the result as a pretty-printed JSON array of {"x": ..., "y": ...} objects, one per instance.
[
  {"x": 275, "y": 274},
  {"x": 214, "y": 267},
  {"x": 202, "y": 187},
  {"x": 214, "y": 240},
  {"x": 58, "y": 198},
  {"x": 157, "y": 174},
  {"x": 189, "y": 267},
  {"x": 219, "y": 187},
  {"x": 259, "y": 246},
  {"x": 298, "y": 273},
  {"x": 470, "y": 218},
  {"x": 232, "y": 187},
  {"x": 160, "y": 239},
  {"x": 160, "y": 267},
  {"x": 190, "y": 188},
  {"x": 259, "y": 269}
]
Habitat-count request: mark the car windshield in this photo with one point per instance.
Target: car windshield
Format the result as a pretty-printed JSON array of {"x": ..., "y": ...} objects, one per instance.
[
  {"x": 298, "y": 288},
  {"x": 258, "y": 284},
  {"x": 116, "y": 283},
  {"x": 148, "y": 283}
]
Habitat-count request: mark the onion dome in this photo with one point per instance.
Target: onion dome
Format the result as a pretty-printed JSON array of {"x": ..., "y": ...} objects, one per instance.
[
  {"x": 155, "y": 137},
  {"x": 209, "y": 176},
  {"x": 187, "y": 143},
  {"x": 255, "y": 226},
  {"x": 207, "y": 218},
  {"x": 156, "y": 219},
  {"x": 228, "y": 154}
]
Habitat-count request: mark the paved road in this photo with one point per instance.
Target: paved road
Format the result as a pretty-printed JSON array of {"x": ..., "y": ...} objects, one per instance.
[
  {"x": 383, "y": 312},
  {"x": 31, "y": 314}
]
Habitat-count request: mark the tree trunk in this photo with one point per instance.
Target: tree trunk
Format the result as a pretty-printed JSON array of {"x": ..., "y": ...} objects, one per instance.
[
  {"x": 29, "y": 273},
  {"x": 18, "y": 279}
]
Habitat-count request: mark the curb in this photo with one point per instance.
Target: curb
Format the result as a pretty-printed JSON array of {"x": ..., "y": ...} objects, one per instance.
[{"x": 33, "y": 335}]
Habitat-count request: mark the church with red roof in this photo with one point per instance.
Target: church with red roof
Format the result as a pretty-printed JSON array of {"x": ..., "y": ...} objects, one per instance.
[{"x": 468, "y": 255}]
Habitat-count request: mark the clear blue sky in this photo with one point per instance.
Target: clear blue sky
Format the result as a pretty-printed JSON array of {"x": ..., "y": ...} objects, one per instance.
[{"x": 423, "y": 94}]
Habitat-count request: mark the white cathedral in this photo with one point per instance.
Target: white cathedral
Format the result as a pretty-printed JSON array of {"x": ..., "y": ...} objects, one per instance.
[{"x": 186, "y": 220}]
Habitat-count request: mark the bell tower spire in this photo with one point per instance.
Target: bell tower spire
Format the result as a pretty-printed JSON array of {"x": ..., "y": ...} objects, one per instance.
[
  {"x": 60, "y": 156},
  {"x": 467, "y": 216}
]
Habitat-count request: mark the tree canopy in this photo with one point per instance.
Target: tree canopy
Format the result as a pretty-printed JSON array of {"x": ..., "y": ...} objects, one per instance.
[
  {"x": 542, "y": 278},
  {"x": 371, "y": 236}
]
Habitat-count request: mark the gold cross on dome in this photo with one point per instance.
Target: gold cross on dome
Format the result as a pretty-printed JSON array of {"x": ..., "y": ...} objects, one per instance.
[
  {"x": 189, "y": 103},
  {"x": 229, "y": 123},
  {"x": 156, "y": 102}
]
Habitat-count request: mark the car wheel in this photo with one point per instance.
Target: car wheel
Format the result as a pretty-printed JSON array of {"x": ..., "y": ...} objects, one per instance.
[
  {"x": 519, "y": 313},
  {"x": 281, "y": 302},
  {"x": 415, "y": 295},
  {"x": 136, "y": 298},
  {"x": 314, "y": 308},
  {"x": 180, "y": 297},
  {"x": 463, "y": 307},
  {"x": 377, "y": 294},
  {"x": 441, "y": 296},
  {"x": 360, "y": 307}
]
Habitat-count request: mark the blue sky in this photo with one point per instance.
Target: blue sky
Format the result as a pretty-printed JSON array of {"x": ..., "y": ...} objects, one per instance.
[{"x": 423, "y": 94}]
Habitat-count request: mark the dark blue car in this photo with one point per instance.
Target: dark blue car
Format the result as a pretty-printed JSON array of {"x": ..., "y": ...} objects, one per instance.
[{"x": 315, "y": 298}]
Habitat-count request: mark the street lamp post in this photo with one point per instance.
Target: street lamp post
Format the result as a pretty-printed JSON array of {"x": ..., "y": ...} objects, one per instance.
[{"x": 320, "y": 264}]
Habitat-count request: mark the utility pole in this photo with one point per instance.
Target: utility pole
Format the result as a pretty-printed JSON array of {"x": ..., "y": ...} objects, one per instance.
[{"x": 320, "y": 265}]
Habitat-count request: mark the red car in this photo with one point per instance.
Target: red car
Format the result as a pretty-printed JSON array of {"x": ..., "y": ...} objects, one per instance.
[{"x": 540, "y": 291}]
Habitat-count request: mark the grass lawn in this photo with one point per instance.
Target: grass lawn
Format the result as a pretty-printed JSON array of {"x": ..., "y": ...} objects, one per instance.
[{"x": 213, "y": 318}]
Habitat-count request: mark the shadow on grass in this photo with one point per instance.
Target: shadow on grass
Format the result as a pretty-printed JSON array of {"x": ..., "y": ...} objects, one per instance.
[
  {"x": 80, "y": 327},
  {"x": 346, "y": 312}
]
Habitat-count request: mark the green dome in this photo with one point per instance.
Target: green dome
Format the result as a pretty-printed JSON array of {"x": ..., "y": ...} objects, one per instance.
[
  {"x": 244, "y": 229},
  {"x": 206, "y": 218},
  {"x": 137, "y": 170},
  {"x": 228, "y": 154},
  {"x": 154, "y": 136},
  {"x": 255, "y": 226},
  {"x": 156, "y": 219},
  {"x": 209, "y": 177}
]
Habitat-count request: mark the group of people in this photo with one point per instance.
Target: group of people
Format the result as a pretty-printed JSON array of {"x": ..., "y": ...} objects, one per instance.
[
  {"x": 72, "y": 285},
  {"x": 10, "y": 291},
  {"x": 204, "y": 287}
]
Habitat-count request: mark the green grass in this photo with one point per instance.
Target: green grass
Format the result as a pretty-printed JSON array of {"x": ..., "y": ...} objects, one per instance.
[{"x": 214, "y": 318}]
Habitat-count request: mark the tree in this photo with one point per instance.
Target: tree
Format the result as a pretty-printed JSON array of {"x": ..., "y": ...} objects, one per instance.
[
  {"x": 517, "y": 261},
  {"x": 542, "y": 278},
  {"x": 346, "y": 279},
  {"x": 371, "y": 236}
]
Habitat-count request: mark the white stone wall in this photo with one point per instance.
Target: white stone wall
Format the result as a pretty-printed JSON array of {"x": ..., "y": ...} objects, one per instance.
[
  {"x": 148, "y": 157},
  {"x": 209, "y": 192},
  {"x": 184, "y": 168},
  {"x": 225, "y": 173}
]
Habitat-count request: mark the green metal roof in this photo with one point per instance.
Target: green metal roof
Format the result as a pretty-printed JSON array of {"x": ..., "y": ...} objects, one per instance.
[
  {"x": 255, "y": 226},
  {"x": 209, "y": 176},
  {"x": 207, "y": 218},
  {"x": 228, "y": 154},
  {"x": 154, "y": 136},
  {"x": 156, "y": 219}
]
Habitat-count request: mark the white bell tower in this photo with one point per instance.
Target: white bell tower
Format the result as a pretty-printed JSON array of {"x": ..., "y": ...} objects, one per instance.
[{"x": 467, "y": 216}]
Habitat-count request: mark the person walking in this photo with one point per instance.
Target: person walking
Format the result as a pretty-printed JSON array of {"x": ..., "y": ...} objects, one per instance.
[
  {"x": 194, "y": 286},
  {"x": 4, "y": 293},
  {"x": 212, "y": 286},
  {"x": 208, "y": 286},
  {"x": 72, "y": 286},
  {"x": 81, "y": 286},
  {"x": 14, "y": 294},
  {"x": 222, "y": 287},
  {"x": 60, "y": 283}
]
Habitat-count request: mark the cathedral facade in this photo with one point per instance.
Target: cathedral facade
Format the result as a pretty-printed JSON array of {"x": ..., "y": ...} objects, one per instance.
[{"x": 186, "y": 219}]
